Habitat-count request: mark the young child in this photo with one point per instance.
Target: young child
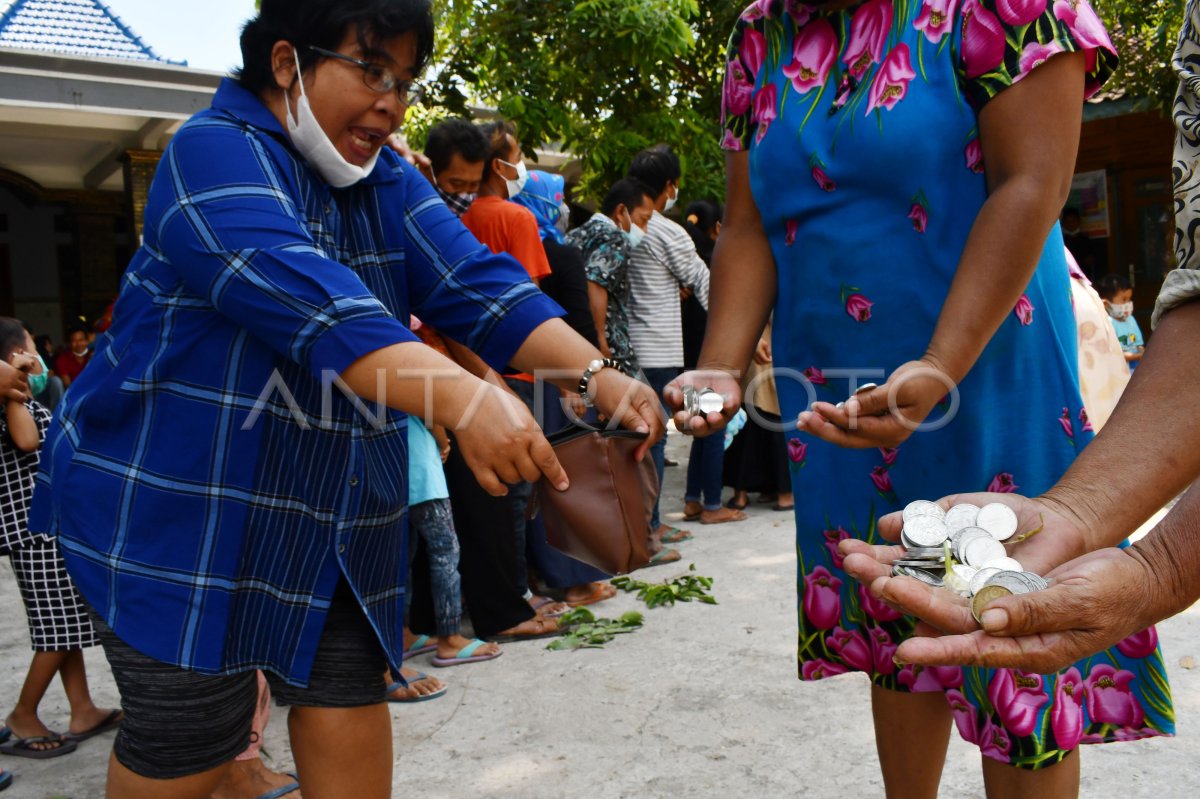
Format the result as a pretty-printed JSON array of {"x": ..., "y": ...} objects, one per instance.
[
  {"x": 59, "y": 626},
  {"x": 1117, "y": 293}
]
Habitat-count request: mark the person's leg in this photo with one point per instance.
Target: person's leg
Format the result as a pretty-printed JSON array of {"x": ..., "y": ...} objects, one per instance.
[
  {"x": 520, "y": 494},
  {"x": 84, "y": 713},
  {"x": 912, "y": 731},
  {"x": 125, "y": 784},
  {"x": 249, "y": 777},
  {"x": 711, "y": 458},
  {"x": 23, "y": 720},
  {"x": 658, "y": 378},
  {"x": 1003, "y": 781},
  {"x": 343, "y": 752},
  {"x": 435, "y": 522}
]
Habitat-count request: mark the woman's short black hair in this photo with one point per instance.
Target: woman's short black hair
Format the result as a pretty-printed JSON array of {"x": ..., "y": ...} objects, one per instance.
[
  {"x": 702, "y": 215},
  {"x": 12, "y": 337},
  {"x": 656, "y": 167},
  {"x": 627, "y": 192},
  {"x": 322, "y": 23},
  {"x": 456, "y": 136},
  {"x": 1111, "y": 284}
]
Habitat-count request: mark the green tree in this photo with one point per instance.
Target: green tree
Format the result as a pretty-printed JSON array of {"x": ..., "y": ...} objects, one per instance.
[{"x": 1145, "y": 33}]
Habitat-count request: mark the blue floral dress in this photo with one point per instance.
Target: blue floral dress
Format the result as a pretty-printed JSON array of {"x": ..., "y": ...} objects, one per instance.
[{"x": 861, "y": 126}]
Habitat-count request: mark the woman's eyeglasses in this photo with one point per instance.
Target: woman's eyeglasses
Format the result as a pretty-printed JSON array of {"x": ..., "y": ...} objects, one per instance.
[{"x": 379, "y": 78}]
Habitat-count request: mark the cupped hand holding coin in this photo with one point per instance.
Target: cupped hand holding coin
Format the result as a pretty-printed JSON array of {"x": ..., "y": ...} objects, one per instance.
[
  {"x": 721, "y": 382},
  {"x": 1046, "y": 536}
]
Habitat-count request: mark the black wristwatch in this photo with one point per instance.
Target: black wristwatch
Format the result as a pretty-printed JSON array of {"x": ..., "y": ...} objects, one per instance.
[{"x": 590, "y": 372}]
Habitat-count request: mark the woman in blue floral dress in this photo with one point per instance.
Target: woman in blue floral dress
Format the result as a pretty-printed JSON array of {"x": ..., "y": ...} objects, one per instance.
[{"x": 896, "y": 169}]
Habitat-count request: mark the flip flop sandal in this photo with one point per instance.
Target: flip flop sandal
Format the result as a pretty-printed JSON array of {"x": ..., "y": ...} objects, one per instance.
[
  {"x": 6, "y": 779},
  {"x": 393, "y": 687},
  {"x": 735, "y": 506},
  {"x": 23, "y": 747},
  {"x": 420, "y": 646},
  {"x": 674, "y": 535},
  {"x": 782, "y": 508},
  {"x": 512, "y": 638},
  {"x": 737, "y": 516},
  {"x": 691, "y": 517},
  {"x": 545, "y": 601},
  {"x": 466, "y": 655},
  {"x": 765, "y": 499},
  {"x": 602, "y": 592},
  {"x": 663, "y": 557},
  {"x": 111, "y": 721},
  {"x": 283, "y": 790}
]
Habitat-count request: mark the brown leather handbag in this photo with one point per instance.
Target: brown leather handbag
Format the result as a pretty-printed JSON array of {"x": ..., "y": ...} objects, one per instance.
[{"x": 603, "y": 519}]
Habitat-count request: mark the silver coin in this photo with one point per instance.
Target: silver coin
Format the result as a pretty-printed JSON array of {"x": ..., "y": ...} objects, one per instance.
[
  {"x": 710, "y": 401},
  {"x": 927, "y": 565},
  {"x": 926, "y": 531},
  {"x": 924, "y": 552},
  {"x": 1007, "y": 564},
  {"x": 929, "y": 578},
  {"x": 1039, "y": 582},
  {"x": 922, "y": 507},
  {"x": 965, "y": 573},
  {"x": 981, "y": 577},
  {"x": 841, "y": 405},
  {"x": 963, "y": 539},
  {"x": 865, "y": 387},
  {"x": 999, "y": 520},
  {"x": 980, "y": 551},
  {"x": 1012, "y": 581},
  {"x": 907, "y": 542},
  {"x": 961, "y": 516}
]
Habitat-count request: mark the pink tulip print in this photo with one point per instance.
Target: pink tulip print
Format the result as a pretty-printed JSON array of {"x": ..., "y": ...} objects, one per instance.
[
  {"x": 739, "y": 89},
  {"x": 883, "y": 650},
  {"x": 889, "y": 455},
  {"x": 965, "y": 717},
  {"x": 790, "y": 229},
  {"x": 797, "y": 453},
  {"x": 1020, "y": 12},
  {"x": 813, "y": 55},
  {"x": 731, "y": 141},
  {"x": 891, "y": 82},
  {"x": 1036, "y": 54},
  {"x": 1002, "y": 484},
  {"x": 1024, "y": 310},
  {"x": 1018, "y": 698},
  {"x": 858, "y": 307},
  {"x": 974, "y": 156},
  {"x": 868, "y": 34},
  {"x": 919, "y": 216},
  {"x": 983, "y": 39},
  {"x": 921, "y": 679},
  {"x": 758, "y": 10},
  {"x": 877, "y": 609},
  {"x": 822, "y": 179},
  {"x": 1110, "y": 699},
  {"x": 935, "y": 19},
  {"x": 852, "y": 647},
  {"x": 1140, "y": 644},
  {"x": 883, "y": 482},
  {"x": 820, "y": 669},
  {"x": 765, "y": 109},
  {"x": 994, "y": 742},
  {"x": 822, "y": 601},
  {"x": 1066, "y": 717},
  {"x": 1085, "y": 424},
  {"x": 753, "y": 52},
  {"x": 815, "y": 376},
  {"x": 1065, "y": 422},
  {"x": 1083, "y": 22},
  {"x": 832, "y": 539}
]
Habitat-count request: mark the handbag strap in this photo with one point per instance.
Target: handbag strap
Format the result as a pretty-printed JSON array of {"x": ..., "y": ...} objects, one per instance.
[{"x": 581, "y": 429}]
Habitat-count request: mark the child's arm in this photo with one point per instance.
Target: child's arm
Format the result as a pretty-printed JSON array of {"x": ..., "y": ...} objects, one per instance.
[{"x": 21, "y": 427}]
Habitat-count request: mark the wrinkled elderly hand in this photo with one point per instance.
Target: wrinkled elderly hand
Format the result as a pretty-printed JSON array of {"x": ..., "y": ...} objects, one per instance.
[
  {"x": 1093, "y": 602},
  {"x": 720, "y": 381}
]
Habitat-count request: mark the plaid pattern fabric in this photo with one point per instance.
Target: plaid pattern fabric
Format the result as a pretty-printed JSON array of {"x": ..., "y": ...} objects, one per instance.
[
  {"x": 58, "y": 618},
  {"x": 207, "y": 528},
  {"x": 17, "y": 471}
]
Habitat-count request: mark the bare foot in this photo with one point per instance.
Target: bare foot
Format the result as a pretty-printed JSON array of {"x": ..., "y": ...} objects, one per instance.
[
  {"x": 249, "y": 779},
  {"x": 88, "y": 719},
  {"x": 721, "y": 516},
  {"x": 546, "y": 607},
  {"x": 692, "y": 511},
  {"x": 589, "y": 594},
  {"x": 30, "y": 726},
  {"x": 450, "y": 645},
  {"x": 538, "y": 625},
  {"x": 422, "y": 687}
]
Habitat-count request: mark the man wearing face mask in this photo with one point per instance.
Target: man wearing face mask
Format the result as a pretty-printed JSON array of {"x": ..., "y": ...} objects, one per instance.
[
  {"x": 606, "y": 241},
  {"x": 71, "y": 361},
  {"x": 457, "y": 152},
  {"x": 665, "y": 262},
  {"x": 501, "y": 225}
]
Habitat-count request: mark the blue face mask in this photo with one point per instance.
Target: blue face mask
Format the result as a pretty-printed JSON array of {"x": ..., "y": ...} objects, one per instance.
[{"x": 37, "y": 383}]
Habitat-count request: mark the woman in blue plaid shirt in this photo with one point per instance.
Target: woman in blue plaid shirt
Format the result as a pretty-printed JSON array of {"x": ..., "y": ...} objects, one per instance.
[{"x": 227, "y": 480}]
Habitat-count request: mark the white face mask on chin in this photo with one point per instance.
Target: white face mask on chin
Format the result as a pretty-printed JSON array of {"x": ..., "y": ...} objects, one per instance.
[{"x": 320, "y": 153}]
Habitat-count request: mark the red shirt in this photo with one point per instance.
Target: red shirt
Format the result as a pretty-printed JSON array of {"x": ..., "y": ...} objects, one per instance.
[{"x": 68, "y": 366}]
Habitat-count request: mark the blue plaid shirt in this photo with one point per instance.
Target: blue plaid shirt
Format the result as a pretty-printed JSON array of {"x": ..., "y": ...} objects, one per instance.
[{"x": 214, "y": 544}]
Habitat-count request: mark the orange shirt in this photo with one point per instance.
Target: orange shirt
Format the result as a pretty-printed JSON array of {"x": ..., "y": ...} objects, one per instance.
[{"x": 507, "y": 227}]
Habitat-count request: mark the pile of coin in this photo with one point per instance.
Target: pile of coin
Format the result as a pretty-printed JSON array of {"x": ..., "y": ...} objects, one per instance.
[{"x": 962, "y": 549}]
